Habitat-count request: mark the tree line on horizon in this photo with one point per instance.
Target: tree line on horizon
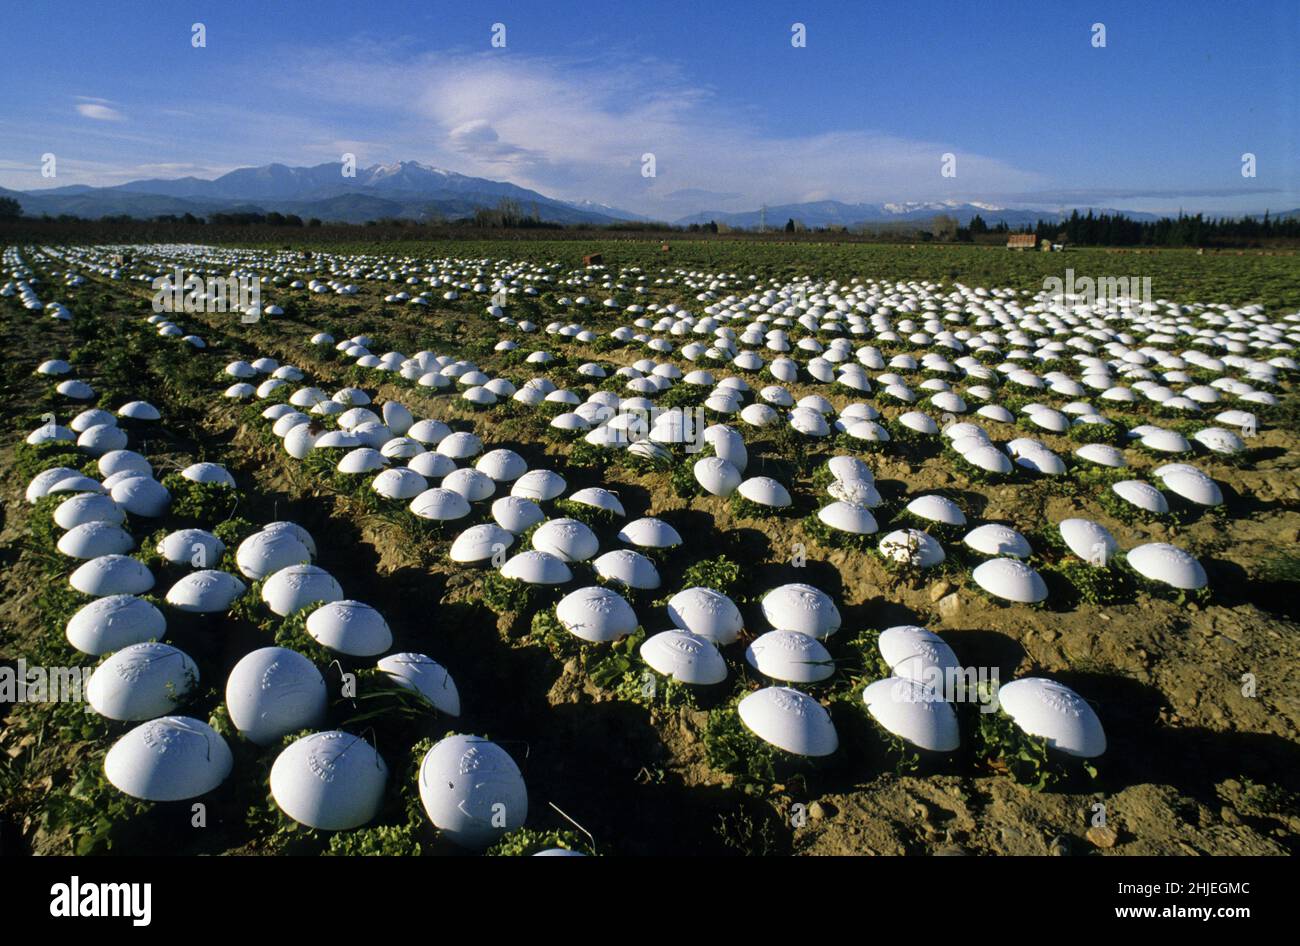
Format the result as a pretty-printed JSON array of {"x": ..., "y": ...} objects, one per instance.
[{"x": 1088, "y": 229}]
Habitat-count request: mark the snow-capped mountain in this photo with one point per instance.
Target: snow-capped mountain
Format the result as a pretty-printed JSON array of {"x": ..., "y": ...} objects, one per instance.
[
  {"x": 593, "y": 206},
  {"x": 935, "y": 206},
  {"x": 411, "y": 190},
  {"x": 834, "y": 213},
  {"x": 405, "y": 189}
]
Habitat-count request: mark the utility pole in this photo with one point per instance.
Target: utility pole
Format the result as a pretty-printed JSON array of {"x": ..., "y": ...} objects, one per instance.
[{"x": 762, "y": 219}]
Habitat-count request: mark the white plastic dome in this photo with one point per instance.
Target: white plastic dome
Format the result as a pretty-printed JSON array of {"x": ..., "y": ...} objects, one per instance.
[
  {"x": 649, "y": 533},
  {"x": 470, "y": 483},
  {"x": 596, "y": 614},
  {"x": 93, "y": 539},
  {"x": 88, "y": 507},
  {"x": 995, "y": 539},
  {"x": 293, "y": 588},
  {"x": 914, "y": 713},
  {"x": 516, "y": 514},
  {"x": 684, "y": 657},
  {"x": 567, "y": 539},
  {"x": 1055, "y": 713},
  {"x": 274, "y": 691},
  {"x": 205, "y": 592},
  {"x": 502, "y": 465},
  {"x": 440, "y": 505},
  {"x": 1168, "y": 564},
  {"x": 1142, "y": 495},
  {"x": 790, "y": 720},
  {"x": 350, "y": 627},
  {"x": 765, "y": 491},
  {"x": 41, "y": 482},
  {"x": 790, "y": 656},
  {"x": 536, "y": 568},
  {"x": 1010, "y": 579},
  {"x": 539, "y": 485},
  {"x": 912, "y": 546},
  {"x": 937, "y": 509},
  {"x": 431, "y": 465},
  {"x": 599, "y": 498},
  {"x": 399, "y": 483},
  {"x": 112, "y": 575},
  {"x": 717, "y": 476},
  {"x": 472, "y": 790},
  {"x": 208, "y": 473},
  {"x": 480, "y": 543},
  {"x": 707, "y": 613},
  {"x": 142, "y": 681},
  {"x": 168, "y": 759},
  {"x": 264, "y": 553},
  {"x": 361, "y": 460},
  {"x": 331, "y": 781},
  {"x": 193, "y": 547},
  {"x": 427, "y": 677},
  {"x": 801, "y": 608},
  {"x": 627, "y": 567},
  {"x": 109, "y": 624},
  {"x": 141, "y": 496}
]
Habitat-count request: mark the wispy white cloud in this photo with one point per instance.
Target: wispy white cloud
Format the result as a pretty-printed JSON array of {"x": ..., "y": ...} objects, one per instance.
[
  {"x": 99, "y": 109},
  {"x": 578, "y": 129},
  {"x": 479, "y": 141},
  {"x": 22, "y": 175}
]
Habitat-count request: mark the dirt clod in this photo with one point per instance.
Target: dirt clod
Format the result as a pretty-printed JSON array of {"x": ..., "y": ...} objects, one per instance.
[{"x": 1102, "y": 836}]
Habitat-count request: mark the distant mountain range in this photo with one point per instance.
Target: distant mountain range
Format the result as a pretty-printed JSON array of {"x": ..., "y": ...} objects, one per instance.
[
  {"x": 834, "y": 213},
  {"x": 407, "y": 189},
  {"x": 415, "y": 191}
]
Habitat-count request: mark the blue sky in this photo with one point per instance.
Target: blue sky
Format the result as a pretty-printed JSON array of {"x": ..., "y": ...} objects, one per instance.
[{"x": 736, "y": 116}]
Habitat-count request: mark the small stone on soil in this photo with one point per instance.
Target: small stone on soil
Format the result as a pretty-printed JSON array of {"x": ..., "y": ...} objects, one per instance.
[
  {"x": 817, "y": 810},
  {"x": 1102, "y": 836}
]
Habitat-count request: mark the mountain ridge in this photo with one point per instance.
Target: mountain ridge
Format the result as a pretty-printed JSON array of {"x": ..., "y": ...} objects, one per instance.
[
  {"x": 405, "y": 189},
  {"x": 415, "y": 191}
]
